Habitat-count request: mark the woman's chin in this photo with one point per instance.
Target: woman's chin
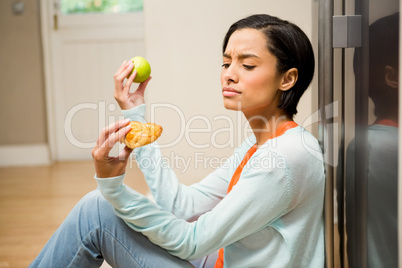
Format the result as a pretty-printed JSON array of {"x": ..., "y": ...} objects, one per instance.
[{"x": 231, "y": 105}]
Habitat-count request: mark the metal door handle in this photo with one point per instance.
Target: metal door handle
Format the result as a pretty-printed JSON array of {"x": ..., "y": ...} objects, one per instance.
[{"x": 55, "y": 22}]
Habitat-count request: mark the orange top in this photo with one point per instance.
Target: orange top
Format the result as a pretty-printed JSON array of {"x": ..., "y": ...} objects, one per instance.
[
  {"x": 386, "y": 122},
  {"x": 236, "y": 176}
]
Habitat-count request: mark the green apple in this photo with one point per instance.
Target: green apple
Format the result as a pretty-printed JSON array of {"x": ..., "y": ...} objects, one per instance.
[{"x": 142, "y": 67}]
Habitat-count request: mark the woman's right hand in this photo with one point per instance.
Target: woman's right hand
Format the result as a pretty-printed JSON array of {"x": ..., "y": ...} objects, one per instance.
[{"x": 126, "y": 99}]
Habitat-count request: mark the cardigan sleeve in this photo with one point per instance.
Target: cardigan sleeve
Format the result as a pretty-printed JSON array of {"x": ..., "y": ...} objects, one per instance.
[
  {"x": 186, "y": 202},
  {"x": 261, "y": 196}
]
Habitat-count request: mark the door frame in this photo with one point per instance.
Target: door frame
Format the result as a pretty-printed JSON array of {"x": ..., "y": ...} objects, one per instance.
[
  {"x": 48, "y": 82},
  {"x": 47, "y": 27}
]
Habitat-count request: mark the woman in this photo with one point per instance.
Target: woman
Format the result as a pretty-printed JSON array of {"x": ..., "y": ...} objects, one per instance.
[{"x": 262, "y": 208}]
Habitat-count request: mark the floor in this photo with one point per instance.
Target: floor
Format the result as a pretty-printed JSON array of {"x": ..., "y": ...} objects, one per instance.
[{"x": 35, "y": 200}]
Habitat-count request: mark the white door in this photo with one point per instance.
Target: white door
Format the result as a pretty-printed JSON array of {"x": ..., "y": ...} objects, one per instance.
[{"x": 82, "y": 52}]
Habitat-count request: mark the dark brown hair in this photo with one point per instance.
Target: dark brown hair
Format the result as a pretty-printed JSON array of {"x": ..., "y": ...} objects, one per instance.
[{"x": 292, "y": 48}]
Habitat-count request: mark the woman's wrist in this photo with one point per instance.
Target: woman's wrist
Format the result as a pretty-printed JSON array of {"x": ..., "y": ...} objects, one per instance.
[
  {"x": 136, "y": 113},
  {"x": 126, "y": 105}
]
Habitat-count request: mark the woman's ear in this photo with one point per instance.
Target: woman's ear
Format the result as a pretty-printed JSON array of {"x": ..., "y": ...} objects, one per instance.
[
  {"x": 289, "y": 79},
  {"x": 391, "y": 77}
]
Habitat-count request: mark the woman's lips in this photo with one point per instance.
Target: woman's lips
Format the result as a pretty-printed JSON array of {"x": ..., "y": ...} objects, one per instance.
[{"x": 230, "y": 92}]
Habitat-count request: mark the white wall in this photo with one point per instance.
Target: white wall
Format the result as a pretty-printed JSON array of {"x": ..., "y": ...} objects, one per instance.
[
  {"x": 22, "y": 94},
  {"x": 183, "y": 45}
]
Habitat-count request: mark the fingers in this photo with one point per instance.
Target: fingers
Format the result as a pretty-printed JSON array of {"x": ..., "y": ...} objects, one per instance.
[
  {"x": 123, "y": 71},
  {"x": 106, "y": 166},
  {"x": 101, "y": 153},
  {"x": 110, "y": 130},
  {"x": 120, "y": 75},
  {"x": 138, "y": 96},
  {"x": 121, "y": 68},
  {"x": 143, "y": 85},
  {"x": 125, "y": 153},
  {"x": 129, "y": 82},
  {"x": 121, "y": 89},
  {"x": 122, "y": 95},
  {"x": 116, "y": 137}
]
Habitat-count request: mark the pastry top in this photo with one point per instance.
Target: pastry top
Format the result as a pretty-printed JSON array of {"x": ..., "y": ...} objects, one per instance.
[{"x": 142, "y": 134}]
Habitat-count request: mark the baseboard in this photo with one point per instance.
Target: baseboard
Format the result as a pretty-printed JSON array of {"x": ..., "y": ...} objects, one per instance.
[{"x": 24, "y": 155}]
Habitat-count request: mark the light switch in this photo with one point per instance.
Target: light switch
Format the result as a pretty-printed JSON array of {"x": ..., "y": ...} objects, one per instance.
[{"x": 18, "y": 7}]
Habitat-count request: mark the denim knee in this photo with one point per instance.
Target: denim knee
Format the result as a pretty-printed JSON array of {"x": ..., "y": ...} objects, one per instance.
[
  {"x": 91, "y": 197},
  {"x": 92, "y": 201},
  {"x": 87, "y": 210},
  {"x": 94, "y": 207}
]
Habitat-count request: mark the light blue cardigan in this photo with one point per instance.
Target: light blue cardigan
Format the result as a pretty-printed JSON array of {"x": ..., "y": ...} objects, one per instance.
[{"x": 273, "y": 217}]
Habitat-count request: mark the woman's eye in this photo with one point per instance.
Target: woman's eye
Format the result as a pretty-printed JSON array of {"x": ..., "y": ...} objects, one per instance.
[
  {"x": 248, "y": 67},
  {"x": 225, "y": 65}
]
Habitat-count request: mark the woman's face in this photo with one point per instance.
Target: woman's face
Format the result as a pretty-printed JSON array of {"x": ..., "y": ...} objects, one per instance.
[{"x": 250, "y": 82}]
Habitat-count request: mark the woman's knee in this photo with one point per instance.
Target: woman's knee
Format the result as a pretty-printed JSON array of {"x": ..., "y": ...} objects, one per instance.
[
  {"x": 91, "y": 197},
  {"x": 89, "y": 207},
  {"x": 94, "y": 205},
  {"x": 90, "y": 213},
  {"x": 93, "y": 201}
]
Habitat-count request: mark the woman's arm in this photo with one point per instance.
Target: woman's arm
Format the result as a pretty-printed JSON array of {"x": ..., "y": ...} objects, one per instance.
[
  {"x": 186, "y": 202},
  {"x": 261, "y": 196}
]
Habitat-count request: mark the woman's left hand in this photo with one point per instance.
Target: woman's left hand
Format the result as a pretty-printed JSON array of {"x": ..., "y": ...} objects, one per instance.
[
  {"x": 105, "y": 165},
  {"x": 126, "y": 99}
]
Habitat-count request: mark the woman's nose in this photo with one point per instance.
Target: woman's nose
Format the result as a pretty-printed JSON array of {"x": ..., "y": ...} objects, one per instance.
[{"x": 230, "y": 75}]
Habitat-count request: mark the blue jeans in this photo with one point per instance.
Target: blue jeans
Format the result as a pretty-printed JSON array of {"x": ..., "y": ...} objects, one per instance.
[{"x": 92, "y": 233}]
